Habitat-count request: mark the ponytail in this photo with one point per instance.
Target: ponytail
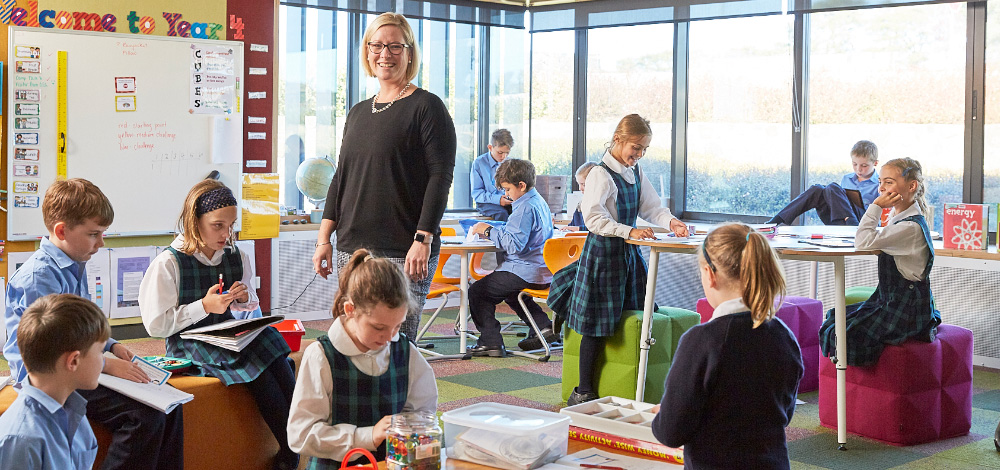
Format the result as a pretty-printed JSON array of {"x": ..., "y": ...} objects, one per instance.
[
  {"x": 912, "y": 171},
  {"x": 367, "y": 281},
  {"x": 739, "y": 254}
]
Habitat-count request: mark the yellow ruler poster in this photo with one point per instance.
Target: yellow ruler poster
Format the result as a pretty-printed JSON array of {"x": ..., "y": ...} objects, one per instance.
[{"x": 260, "y": 206}]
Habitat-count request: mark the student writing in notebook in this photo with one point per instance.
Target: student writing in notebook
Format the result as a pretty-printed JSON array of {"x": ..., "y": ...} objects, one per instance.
[
  {"x": 62, "y": 338},
  {"x": 181, "y": 291},
  {"x": 76, "y": 214},
  {"x": 362, "y": 371}
]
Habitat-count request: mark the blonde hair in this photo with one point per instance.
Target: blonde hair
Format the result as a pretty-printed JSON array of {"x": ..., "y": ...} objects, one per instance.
[
  {"x": 501, "y": 138},
  {"x": 367, "y": 281},
  {"x": 865, "y": 149},
  {"x": 392, "y": 19},
  {"x": 912, "y": 171},
  {"x": 738, "y": 253},
  {"x": 56, "y": 324},
  {"x": 74, "y": 201},
  {"x": 584, "y": 169},
  {"x": 631, "y": 127},
  {"x": 187, "y": 223}
]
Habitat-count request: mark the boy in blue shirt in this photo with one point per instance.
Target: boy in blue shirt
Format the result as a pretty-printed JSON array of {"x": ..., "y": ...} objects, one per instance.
[
  {"x": 62, "y": 338},
  {"x": 522, "y": 238},
  {"x": 831, "y": 202},
  {"x": 489, "y": 198},
  {"x": 76, "y": 214}
]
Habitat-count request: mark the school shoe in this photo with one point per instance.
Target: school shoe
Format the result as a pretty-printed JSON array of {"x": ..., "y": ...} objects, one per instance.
[
  {"x": 533, "y": 343},
  {"x": 480, "y": 350},
  {"x": 576, "y": 397}
]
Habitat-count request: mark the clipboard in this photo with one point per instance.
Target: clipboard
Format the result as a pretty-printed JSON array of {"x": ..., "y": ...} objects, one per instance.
[{"x": 854, "y": 196}]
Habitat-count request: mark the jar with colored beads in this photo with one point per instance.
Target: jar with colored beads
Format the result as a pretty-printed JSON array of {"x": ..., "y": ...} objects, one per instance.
[{"x": 413, "y": 442}]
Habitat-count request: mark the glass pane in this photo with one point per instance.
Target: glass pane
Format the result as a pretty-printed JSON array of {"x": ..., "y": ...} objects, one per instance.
[
  {"x": 552, "y": 102},
  {"x": 740, "y": 115},
  {"x": 896, "y": 77},
  {"x": 634, "y": 79},
  {"x": 991, "y": 134},
  {"x": 311, "y": 94},
  {"x": 508, "y": 91}
]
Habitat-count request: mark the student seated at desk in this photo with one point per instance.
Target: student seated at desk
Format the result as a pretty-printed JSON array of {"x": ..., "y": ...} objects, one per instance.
[
  {"x": 62, "y": 338},
  {"x": 490, "y": 199},
  {"x": 577, "y": 224},
  {"x": 522, "y": 238},
  {"x": 902, "y": 306},
  {"x": 832, "y": 203}
]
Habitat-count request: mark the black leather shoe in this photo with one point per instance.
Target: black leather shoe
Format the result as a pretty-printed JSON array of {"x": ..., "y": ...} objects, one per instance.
[
  {"x": 576, "y": 397},
  {"x": 533, "y": 343},
  {"x": 491, "y": 351}
]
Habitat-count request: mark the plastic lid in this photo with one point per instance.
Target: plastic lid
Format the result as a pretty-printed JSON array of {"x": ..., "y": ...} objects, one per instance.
[{"x": 508, "y": 418}]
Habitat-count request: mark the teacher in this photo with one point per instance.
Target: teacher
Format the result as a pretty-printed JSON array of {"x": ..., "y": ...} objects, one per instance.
[{"x": 396, "y": 163}]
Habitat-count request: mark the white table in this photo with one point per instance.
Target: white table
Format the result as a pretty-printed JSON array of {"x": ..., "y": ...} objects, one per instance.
[
  {"x": 810, "y": 253},
  {"x": 456, "y": 245}
]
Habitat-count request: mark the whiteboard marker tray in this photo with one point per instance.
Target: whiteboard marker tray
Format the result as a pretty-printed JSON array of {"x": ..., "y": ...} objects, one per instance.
[{"x": 614, "y": 415}]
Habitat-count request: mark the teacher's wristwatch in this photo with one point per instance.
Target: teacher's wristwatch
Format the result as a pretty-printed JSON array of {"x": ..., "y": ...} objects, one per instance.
[{"x": 425, "y": 239}]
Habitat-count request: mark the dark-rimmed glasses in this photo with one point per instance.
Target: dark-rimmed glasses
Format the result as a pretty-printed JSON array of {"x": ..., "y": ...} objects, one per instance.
[{"x": 394, "y": 48}]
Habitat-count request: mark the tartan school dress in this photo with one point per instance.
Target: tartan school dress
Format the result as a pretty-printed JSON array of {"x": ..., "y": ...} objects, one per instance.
[
  {"x": 230, "y": 367},
  {"x": 898, "y": 310},
  {"x": 610, "y": 275},
  {"x": 362, "y": 399}
]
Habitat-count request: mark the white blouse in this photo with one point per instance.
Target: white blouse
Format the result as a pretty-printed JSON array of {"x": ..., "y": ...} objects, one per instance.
[
  {"x": 310, "y": 432},
  {"x": 598, "y": 204},
  {"x": 904, "y": 241},
  {"x": 158, "y": 292}
]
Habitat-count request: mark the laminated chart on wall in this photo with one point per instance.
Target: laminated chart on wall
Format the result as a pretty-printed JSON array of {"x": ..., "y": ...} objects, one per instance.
[
  {"x": 99, "y": 279},
  {"x": 260, "y": 206},
  {"x": 128, "y": 266}
]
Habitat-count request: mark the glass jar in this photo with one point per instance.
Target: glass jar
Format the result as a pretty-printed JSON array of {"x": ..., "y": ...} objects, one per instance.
[{"x": 413, "y": 442}]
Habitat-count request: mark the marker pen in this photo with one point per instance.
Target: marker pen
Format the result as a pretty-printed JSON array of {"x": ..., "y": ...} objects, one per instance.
[{"x": 220, "y": 283}]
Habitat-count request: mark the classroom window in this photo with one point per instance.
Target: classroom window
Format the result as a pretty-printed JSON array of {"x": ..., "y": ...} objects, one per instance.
[
  {"x": 630, "y": 70},
  {"x": 895, "y": 76},
  {"x": 311, "y": 93},
  {"x": 508, "y": 91},
  {"x": 991, "y": 133},
  {"x": 740, "y": 115},
  {"x": 552, "y": 56}
]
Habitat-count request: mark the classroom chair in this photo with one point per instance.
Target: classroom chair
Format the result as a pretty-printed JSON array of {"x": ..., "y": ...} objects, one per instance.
[
  {"x": 858, "y": 294},
  {"x": 802, "y": 315},
  {"x": 557, "y": 253},
  {"x": 618, "y": 364},
  {"x": 441, "y": 286},
  {"x": 917, "y": 392}
]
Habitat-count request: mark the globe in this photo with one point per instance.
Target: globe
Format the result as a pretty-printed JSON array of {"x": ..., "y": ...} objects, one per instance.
[{"x": 313, "y": 178}]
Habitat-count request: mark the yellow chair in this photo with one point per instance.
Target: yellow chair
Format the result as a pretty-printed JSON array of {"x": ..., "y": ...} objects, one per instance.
[
  {"x": 441, "y": 286},
  {"x": 476, "y": 267},
  {"x": 557, "y": 253}
]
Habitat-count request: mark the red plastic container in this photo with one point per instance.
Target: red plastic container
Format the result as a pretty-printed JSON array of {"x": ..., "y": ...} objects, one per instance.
[{"x": 292, "y": 331}]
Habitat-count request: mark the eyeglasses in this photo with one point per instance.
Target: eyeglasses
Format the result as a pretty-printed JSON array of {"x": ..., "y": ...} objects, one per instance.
[{"x": 394, "y": 48}]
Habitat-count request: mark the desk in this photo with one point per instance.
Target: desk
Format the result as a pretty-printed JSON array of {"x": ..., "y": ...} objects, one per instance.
[
  {"x": 456, "y": 246},
  {"x": 815, "y": 254}
]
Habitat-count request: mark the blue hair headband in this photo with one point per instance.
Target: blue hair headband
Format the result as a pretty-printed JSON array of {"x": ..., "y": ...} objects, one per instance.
[{"x": 214, "y": 200}]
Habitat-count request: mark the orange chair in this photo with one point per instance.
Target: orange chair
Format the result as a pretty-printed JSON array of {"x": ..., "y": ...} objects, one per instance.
[
  {"x": 557, "y": 253},
  {"x": 441, "y": 286},
  {"x": 476, "y": 267}
]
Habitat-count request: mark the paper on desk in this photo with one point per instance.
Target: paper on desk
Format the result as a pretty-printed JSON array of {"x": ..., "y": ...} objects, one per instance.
[
  {"x": 596, "y": 456},
  {"x": 474, "y": 239}
]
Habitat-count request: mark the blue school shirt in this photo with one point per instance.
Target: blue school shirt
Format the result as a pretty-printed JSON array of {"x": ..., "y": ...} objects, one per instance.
[
  {"x": 527, "y": 229},
  {"x": 48, "y": 271},
  {"x": 868, "y": 188},
  {"x": 37, "y": 432},
  {"x": 483, "y": 178}
]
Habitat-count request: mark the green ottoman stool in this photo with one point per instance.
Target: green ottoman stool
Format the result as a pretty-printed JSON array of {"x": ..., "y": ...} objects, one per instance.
[
  {"x": 618, "y": 366},
  {"x": 858, "y": 294}
]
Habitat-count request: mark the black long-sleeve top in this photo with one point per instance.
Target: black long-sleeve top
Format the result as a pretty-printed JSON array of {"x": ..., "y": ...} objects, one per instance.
[
  {"x": 730, "y": 393},
  {"x": 393, "y": 175}
]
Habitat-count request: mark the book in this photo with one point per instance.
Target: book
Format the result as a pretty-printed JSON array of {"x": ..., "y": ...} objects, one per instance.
[
  {"x": 162, "y": 397},
  {"x": 966, "y": 226},
  {"x": 233, "y": 335},
  {"x": 648, "y": 449},
  {"x": 598, "y": 459}
]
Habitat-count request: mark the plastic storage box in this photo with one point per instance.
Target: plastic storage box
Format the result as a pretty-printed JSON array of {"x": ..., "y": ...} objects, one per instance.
[
  {"x": 292, "y": 331},
  {"x": 505, "y": 436}
]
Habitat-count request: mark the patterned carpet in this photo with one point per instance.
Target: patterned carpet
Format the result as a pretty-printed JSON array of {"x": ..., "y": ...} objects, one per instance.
[{"x": 524, "y": 382}]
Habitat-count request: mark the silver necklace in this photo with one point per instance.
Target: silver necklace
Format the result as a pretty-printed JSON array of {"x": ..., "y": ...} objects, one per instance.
[{"x": 400, "y": 95}]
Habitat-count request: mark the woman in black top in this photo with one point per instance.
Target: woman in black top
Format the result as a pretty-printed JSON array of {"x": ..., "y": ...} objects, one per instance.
[{"x": 395, "y": 169}]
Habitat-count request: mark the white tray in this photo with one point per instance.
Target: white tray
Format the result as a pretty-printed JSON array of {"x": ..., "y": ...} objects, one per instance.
[{"x": 614, "y": 415}]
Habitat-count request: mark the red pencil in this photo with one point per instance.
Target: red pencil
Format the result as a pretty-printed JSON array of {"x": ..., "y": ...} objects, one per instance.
[
  {"x": 602, "y": 467},
  {"x": 220, "y": 283}
]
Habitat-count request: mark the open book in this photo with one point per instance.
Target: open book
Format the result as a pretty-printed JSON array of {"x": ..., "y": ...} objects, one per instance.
[
  {"x": 162, "y": 397},
  {"x": 232, "y": 334}
]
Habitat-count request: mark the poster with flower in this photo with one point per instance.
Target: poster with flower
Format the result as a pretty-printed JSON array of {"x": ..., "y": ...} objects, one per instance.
[{"x": 966, "y": 226}]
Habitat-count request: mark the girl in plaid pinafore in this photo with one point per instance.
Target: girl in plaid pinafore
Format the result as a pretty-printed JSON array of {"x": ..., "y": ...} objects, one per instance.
[
  {"x": 902, "y": 306},
  {"x": 363, "y": 371},
  {"x": 181, "y": 291},
  {"x": 610, "y": 275}
]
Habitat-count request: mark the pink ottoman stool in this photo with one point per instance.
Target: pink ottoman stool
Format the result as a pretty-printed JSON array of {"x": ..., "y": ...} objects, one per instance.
[
  {"x": 916, "y": 393},
  {"x": 804, "y": 317}
]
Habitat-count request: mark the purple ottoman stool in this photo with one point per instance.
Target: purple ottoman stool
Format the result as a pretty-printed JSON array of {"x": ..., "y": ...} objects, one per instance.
[
  {"x": 804, "y": 317},
  {"x": 916, "y": 393}
]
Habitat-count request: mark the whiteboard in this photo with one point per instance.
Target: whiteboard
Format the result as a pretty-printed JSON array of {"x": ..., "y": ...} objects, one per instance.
[{"x": 144, "y": 148}]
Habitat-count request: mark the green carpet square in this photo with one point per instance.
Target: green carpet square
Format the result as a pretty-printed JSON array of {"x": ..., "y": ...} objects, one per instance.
[
  {"x": 821, "y": 450},
  {"x": 501, "y": 380},
  {"x": 987, "y": 400},
  {"x": 979, "y": 454},
  {"x": 448, "y": 391}
]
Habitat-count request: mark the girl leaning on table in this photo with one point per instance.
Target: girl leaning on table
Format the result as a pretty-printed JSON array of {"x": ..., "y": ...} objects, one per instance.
[
  {"x": 610, "y": 275},
  {"x": 377, "y": 371},
  {"x": 181, "y": 291},
  {"x": 902, "y": 305}
]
